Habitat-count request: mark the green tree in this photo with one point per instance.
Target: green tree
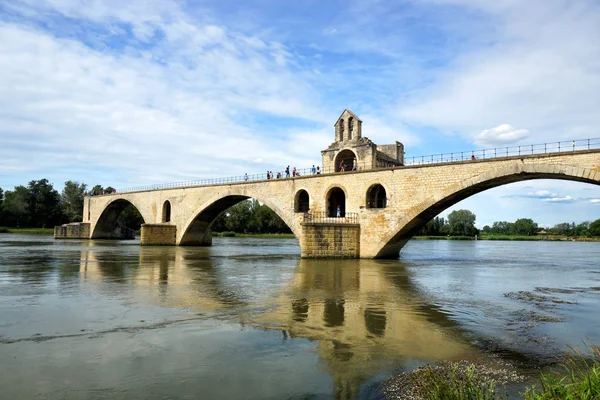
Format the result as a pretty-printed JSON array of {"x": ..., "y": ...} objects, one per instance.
[
  {"x": 72, "y": 200},
  {"x": 130, "y": 217},
  {"x": 462, "y": 223},
  {"x": 524, "y": 226},
  {"x": 97, "y": 190},
  {"x": 44, "y": 204},
  {"x": 563, "y": 228},
  {"x": 15, "y": 207},
  {"x": 594, "y": 228},
  {"x": 502, "y": 228},
  {"x": 2, "y": 223},
  {"x": 487, "y": 229}
]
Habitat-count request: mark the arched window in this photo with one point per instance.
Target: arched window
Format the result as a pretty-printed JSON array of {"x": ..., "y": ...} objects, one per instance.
[
  {"x": 336, "y": 199},
  {"x": 341, "y": 128},
  {"x": 345, "y": 157},
  {"x": 376, "y": 197},
  {"x": 302, "y": 201},
  {"x": 166, "y": 212},
  {"x": 350, "y": 128}
]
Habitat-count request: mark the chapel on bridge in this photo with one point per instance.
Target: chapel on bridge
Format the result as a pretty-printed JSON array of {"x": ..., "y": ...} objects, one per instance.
[{"x": 349, "y": 144}]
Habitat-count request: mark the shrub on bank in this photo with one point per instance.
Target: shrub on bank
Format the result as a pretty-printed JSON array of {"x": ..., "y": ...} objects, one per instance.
[
  {"x": 4, "y": 229},
  {"x": 580, "y": 379}
]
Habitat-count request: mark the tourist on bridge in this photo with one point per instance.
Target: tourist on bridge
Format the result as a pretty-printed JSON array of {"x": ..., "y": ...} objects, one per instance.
[
  {"x": 338, "y": 211},
  {"x": 354, "y": 165},
  {"x": 313, "y": 170},
  {"x": 246, "y": 177},
  {"x": 294, "y": 172},
  {"x": 342, "y": 166},
  {"x": 318, "y": 170},
  {"x": 287, "y": 172},
  {"x": 473, "y": 158}
]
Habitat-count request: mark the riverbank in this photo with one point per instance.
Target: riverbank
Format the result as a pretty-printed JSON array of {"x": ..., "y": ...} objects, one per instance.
[
  {"x": 514, "y": 238},
  {"x": 30, "y": 231}
]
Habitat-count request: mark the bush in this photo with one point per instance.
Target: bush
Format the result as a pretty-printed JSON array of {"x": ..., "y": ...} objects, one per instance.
[
  {"x": 227, "y": 234},
  {"x": 4, "y": 229}
]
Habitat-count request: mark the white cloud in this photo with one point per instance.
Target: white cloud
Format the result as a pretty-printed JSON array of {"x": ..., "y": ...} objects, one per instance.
[
  {"x": 595, "y": 201},
  {"x": 536, "y": 67},
  {"x": 500, "y": 135},
  {"x": 564, "y": 199}
]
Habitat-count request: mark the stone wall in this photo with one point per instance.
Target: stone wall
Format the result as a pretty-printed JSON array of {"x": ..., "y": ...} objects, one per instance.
[
  {"x": 158, "y": 235},
  {"x": 76, "y": 230},
  {"x": 322, "y": 240}
]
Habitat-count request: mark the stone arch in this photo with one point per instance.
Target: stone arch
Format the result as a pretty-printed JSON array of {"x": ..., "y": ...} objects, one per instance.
[
  {"x": 166, "y": 211},
  {"x": 346, "y": 156},
  {"x": 432, "y": 206},
  {"x": 107, "y": 226},
  {"x": 301, "y": 201},
  {"x": 197, "y": 230},
  {"x": 336, "y": 196},
  {"x": 376, "y": 196}
]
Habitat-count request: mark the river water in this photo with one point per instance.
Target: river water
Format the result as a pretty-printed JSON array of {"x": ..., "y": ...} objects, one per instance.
[{"x": 249, "y": 319}]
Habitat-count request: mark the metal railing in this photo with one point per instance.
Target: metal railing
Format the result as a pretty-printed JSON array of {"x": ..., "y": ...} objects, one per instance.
[
  {"x": 523, "y": 150},
  {"x": 320, "y": 217},
  {"x": 462, "y": 156}
]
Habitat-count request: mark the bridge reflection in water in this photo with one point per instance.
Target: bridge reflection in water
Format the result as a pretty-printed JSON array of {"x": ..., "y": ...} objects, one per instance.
[{"x": 365, "y": 315}]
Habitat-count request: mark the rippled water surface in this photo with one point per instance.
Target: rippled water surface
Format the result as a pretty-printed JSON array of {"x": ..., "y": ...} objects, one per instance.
[{"x": 248, "y": 319}]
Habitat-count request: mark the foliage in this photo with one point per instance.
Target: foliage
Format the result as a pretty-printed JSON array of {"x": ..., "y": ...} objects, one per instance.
[
  {"x": 462, "y": 223},
  {"x": 524, "y": 226},
  {"x": 131, "y": 218},
  {"x": 435, "y": 227},
  {"x": 594, "y": 228},
  {"x": 72, "y": 200},
  {"x": 454, "y": 381},
  {"x": 580, "y": 379},
  {"x": 250, "y": 217}
]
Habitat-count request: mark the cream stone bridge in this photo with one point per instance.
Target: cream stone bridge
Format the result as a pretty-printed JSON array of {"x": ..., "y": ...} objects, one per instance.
[
  {"x": 367, "y": 201},
  {"x": 380, "y": 209}
]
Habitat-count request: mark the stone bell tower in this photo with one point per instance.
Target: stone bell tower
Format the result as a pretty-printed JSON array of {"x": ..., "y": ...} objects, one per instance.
[{"x": 353, "y": 151}]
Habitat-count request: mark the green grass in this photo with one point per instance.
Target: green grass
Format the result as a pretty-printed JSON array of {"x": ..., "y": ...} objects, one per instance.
[
  {"x": 36, "y": 231},
  {"x": 579, "y": 378}
]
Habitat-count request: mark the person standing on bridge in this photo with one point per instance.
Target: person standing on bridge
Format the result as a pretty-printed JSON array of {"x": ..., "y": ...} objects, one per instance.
[
  {"x": 294, "y": 172},
  {"x": 342, "y": 166},
  {"x": 287, "y": 172},
  {"x": 338, "y": 211},
  {"x": 246, "y": 177},
  {"x": 354, "y": 165}
]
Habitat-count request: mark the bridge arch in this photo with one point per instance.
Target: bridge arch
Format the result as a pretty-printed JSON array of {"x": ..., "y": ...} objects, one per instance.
[
  {"x": 346, "y": 156},
  {"x": 197, "y": 229},
  {"x": 301, "y": 201},
  {"x": 108, "y": 227},
  {"x": 432, "y": 206},
  {"x": 376, "y": 196},
  {"x": 166, "y": 211},
  {"x": 336, "y": 197}
]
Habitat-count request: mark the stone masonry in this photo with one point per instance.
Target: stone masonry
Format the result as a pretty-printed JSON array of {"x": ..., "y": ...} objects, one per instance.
[
  {"x": 414, "y": 195},
  {"x": 322, "y": 240}
]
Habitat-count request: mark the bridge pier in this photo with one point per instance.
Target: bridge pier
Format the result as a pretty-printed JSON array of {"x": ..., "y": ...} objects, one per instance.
[
  {"x": 76, "y": 230},
  {"x": 158, "y": 235},
  {"x": 330, "y": 240}
]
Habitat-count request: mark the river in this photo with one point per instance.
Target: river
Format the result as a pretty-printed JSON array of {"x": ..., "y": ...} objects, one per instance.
[{"x": 248, "y": 319}]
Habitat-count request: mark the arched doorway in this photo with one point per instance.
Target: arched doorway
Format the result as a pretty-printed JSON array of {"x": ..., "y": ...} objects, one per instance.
[
  {"x": 376, "y": 197},
  {"x": 166, "y": 214},
  {"x": 302, "y": 203},
  {"x": 347, "y": 157},
  {"x": 336, "y": 198}
]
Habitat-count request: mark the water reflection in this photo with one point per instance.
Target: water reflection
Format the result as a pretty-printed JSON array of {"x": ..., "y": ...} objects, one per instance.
[{"x": 363, "y": 314}]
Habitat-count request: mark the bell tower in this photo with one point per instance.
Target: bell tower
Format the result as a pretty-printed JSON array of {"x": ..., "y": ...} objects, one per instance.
[{"x": 348, "y": 127}]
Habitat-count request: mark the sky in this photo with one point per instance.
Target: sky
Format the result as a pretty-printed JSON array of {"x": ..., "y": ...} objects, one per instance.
[{"x": 127, "y": 93}]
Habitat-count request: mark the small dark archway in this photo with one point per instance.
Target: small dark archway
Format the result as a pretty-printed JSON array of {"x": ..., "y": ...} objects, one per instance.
[
  {"x": 347, "y": 157},
  {"x": 336, "y": 198},
  {"x": 376, "y": 197},
  {"x": 119, "y": 220},
  {"x": 166, "y": 213},
  {"x": 302, "y": 201}
]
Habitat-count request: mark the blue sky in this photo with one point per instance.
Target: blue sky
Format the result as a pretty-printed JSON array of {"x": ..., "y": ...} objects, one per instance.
[{"x": 133, "y": 92}]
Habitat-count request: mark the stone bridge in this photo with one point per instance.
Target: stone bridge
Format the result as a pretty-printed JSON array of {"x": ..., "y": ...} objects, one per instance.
[{"x": 380, "y": 209}]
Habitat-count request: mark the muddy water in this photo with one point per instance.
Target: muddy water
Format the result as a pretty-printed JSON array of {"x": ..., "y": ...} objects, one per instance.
[{"x": 248, "y": 319}]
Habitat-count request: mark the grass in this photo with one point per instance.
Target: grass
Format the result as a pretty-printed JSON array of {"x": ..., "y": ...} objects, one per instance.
[
  {"x": 36, "y": 231},
  {"x": 579, "y": 378}
]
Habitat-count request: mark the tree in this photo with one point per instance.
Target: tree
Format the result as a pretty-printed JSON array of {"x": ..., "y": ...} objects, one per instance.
[
  {"x": 563, "y": 228},
  {"x": 72, "y": 200},
  {"x": 1, "y": 201},
  {"x": 44, "y": 204},
  {"x": 594, "y": 228},
  {"x": 462, "y": 223},
  {"x": 487, "y": 229},
  {"x": 97, "y": 190},
  {"x": 15, "y": 207},
  {"x": 525, "y": 226},
  {"x": 502, "y": 228},
  {"x": 131, "y": 217}
]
